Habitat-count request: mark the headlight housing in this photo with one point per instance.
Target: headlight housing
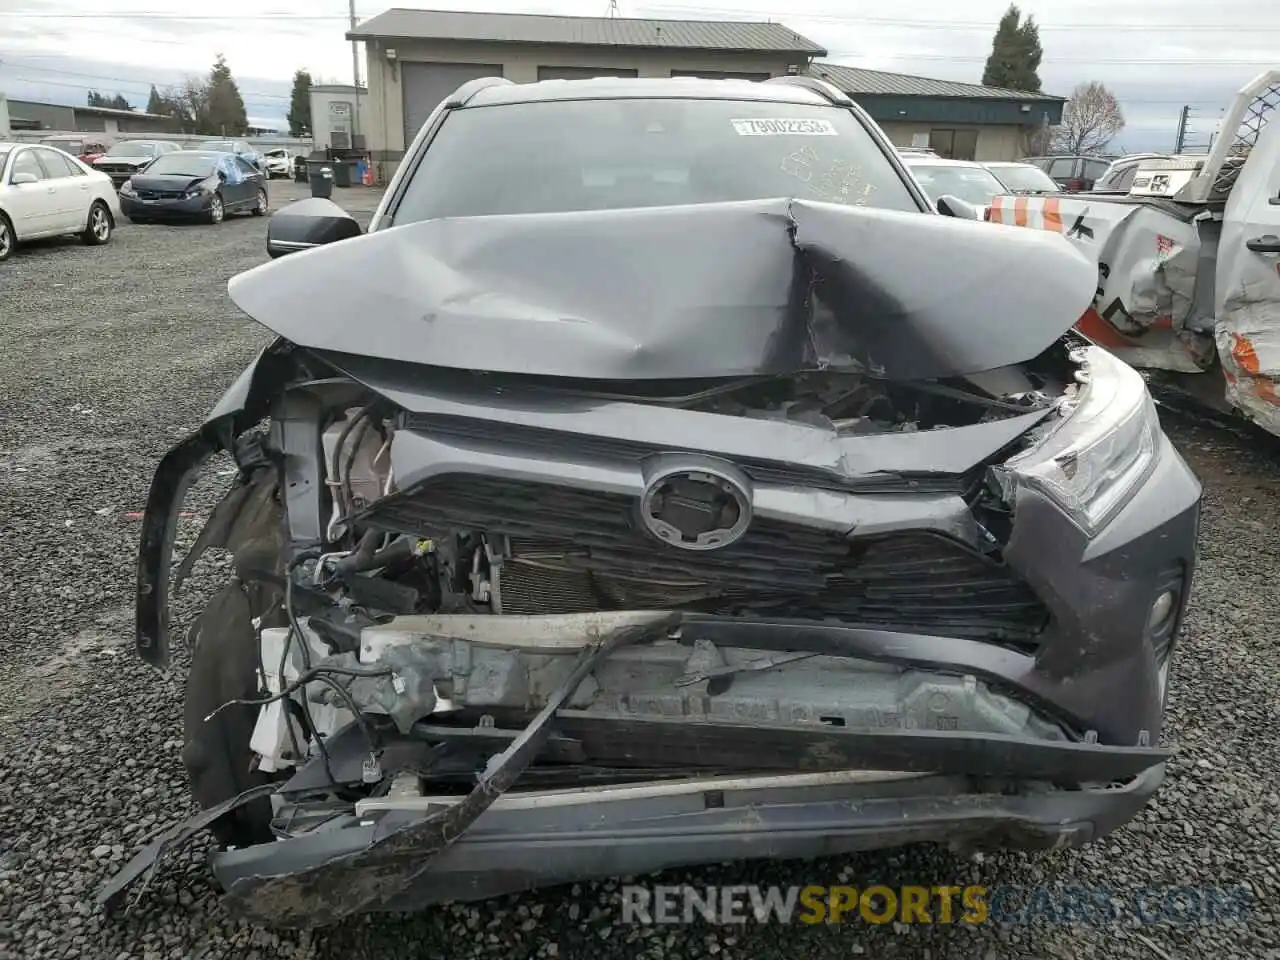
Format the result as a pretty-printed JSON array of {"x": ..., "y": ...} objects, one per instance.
[
  {"x": 1100, "y": 450},
  {"x": 127, "y": 188}
]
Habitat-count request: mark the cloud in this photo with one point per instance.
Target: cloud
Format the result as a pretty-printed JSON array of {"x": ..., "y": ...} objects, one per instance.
[{"x": 1154, "y": 65}]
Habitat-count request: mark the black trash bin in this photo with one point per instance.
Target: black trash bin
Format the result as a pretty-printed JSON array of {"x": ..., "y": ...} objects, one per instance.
[
  {"x": 321, "y": 180},
  {"x": 342, "y": 173}
]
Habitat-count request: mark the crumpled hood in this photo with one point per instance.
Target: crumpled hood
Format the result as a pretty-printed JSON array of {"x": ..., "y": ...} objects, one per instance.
[
  {"x": 166, "y": 181},
  {"x": 712, "y": 290}
]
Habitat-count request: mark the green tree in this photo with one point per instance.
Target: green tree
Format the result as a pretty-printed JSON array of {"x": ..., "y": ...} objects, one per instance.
[
  {"x": 118, "y": 102},
  {"x": 1015, "y": 53},
  {"x": 300, "y": 104},
  {"x": 222, "y": 110},
  {"x": 156, "y": 102}
]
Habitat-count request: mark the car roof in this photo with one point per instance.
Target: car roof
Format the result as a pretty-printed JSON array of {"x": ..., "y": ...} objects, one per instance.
[
  {"x": 644, "y": 88},
  {"x": 1009, "y": 163},
  {"x": 200, "y": 153},
  {"x": 923, "y": 161}
]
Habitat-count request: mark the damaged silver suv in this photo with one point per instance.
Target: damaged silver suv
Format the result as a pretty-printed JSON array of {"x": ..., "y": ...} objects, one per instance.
[{"x": 662, "y": 480}]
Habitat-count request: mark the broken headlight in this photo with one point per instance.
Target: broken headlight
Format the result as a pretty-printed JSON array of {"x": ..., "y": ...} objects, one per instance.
[{"x": 1101, "y": 449}]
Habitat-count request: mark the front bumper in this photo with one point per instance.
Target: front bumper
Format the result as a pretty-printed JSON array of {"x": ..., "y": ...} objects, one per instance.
[
  {"x": 164, "y": 209},
  {"x": 554, "y": 839}
]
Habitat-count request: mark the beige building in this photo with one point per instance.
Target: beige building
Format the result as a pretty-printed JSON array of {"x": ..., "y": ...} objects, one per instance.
[{"x": 418, "y": 57}]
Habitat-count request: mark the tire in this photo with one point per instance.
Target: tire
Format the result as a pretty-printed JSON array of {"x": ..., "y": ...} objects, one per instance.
[
  {"x": 260, "y": 207},
  {"x": 217, "y": 212},
  {"x": 98, "y": 228},
  {"x": 7, "y": 239}
]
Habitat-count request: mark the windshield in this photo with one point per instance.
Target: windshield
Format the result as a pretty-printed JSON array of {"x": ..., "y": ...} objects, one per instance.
[
  {"x": 1025, "y": 178},
  {"x": 971, "y": 184},
  {"x": 222, "y": 146},
  {"x": 610, "y": 154},
  {"x": 184, "y": 165},
  {"x": 132, "y": 149}
]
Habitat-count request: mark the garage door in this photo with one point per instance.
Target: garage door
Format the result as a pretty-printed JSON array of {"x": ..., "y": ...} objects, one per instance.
[
  {"x": 426, "y": 84},
  {"x": 582, "y": 73}
]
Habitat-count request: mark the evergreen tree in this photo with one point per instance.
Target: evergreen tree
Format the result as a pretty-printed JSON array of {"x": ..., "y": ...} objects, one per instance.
[
  {"x": 300, "y": 104},
  {"x": 1015, "y": 53},
  {"x": 223, "y": 109},
  {"x": 155, "y": 102}
]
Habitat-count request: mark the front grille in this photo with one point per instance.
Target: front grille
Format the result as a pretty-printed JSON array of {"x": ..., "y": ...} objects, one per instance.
[
  {"x": 916, "y": 581},
  {"x": 160, "y": 194}
]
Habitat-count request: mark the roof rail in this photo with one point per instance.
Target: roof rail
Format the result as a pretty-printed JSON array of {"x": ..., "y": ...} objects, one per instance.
[
  {"x": 464, "y": 93},
  {"x": 826, "y": 90}
]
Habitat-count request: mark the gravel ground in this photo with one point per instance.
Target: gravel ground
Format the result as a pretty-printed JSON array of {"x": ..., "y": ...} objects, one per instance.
[{"x": 112, "y": 353}]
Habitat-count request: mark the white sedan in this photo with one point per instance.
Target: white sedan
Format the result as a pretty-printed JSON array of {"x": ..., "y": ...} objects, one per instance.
[{"x": 48, "y": 193}]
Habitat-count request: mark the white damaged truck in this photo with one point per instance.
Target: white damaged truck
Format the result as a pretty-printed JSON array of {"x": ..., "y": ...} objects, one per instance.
[{"x": 1189, "y": 261}]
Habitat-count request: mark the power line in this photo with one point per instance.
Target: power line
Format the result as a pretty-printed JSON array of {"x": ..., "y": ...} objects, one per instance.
[
  {"x": 119, "y": 81},
  {"x": 717, "y": 13},
  {"x": 1155, "y": 62},
  {"x": 756, "y": 15}
]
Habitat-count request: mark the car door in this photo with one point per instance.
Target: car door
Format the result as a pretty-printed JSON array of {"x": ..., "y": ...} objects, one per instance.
[
  {"x": 1247, "y": 284},
  {"x": 72, "y": 193},
  {"x": 234, "y": 189},
  {"x": 253, "y": 180},
  {"x": 30, "y": 205}
]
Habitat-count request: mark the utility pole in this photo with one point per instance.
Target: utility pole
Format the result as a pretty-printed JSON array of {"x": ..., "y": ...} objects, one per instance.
[
  {"x": 355, "y": 75},
  {"x": 1180, "y": 140}
]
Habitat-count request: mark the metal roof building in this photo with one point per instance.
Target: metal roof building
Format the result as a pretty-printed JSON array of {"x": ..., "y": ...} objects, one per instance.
[
  {"x": 966, "y": 121},
  {"x": 418, "y": 57}
]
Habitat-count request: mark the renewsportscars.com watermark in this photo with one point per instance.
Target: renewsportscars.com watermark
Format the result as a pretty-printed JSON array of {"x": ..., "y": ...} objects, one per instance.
[{"x": 813, "y": 904}]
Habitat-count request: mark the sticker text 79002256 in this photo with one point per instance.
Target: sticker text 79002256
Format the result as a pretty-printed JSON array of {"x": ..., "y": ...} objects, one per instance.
[{"x": 782, "y": 127}]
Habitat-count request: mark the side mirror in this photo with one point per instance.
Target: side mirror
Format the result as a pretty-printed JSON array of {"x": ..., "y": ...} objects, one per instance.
[
  {"x": 950, "y": 206},
  {"x": 20, "y": 178},
  {"x": 309, "y": 223},
  {"x": 222, "y": 175}
]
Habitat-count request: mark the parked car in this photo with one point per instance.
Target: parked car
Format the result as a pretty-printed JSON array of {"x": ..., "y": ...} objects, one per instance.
[
  {"x": 533, "y": 553},
  {"x": 1072, "y": 174},
  {"x": 1022, "y": 177},
  {"x": 127, "y": 157},
  {"x": 46, "y": 192},
  {"x": 278, "y": 162},
  {"x": 1118, "y": 177},
  {"x": 87, "y": 148},
  {"x": 241, "y": 148},
  {"x": 194, "y": 184},
  {"x": 917, "y": 151},
  {"x": 970, "y": 181}
]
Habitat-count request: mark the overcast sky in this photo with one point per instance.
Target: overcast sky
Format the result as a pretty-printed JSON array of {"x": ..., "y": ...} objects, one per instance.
[{"x": 1154, "y": 54}]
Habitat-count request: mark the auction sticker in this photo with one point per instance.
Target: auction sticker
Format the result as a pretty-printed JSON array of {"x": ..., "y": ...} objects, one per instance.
[{"x": 783, "y": 127}]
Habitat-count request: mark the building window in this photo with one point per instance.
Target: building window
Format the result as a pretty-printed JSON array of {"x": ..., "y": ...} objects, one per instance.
[
  {"x": 720, "y": 75},
  {"x": 955, "y": 144}
]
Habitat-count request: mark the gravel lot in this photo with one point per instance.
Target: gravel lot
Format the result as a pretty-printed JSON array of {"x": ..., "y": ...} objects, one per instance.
[{"x": 114, "y": 352}]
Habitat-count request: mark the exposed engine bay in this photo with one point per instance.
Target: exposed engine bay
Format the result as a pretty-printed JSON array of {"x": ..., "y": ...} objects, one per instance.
[{"x": 408, "y": 568}]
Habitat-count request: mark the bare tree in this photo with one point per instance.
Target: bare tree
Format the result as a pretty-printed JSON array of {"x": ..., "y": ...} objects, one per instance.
[{"x": 1090, "y": 120}]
